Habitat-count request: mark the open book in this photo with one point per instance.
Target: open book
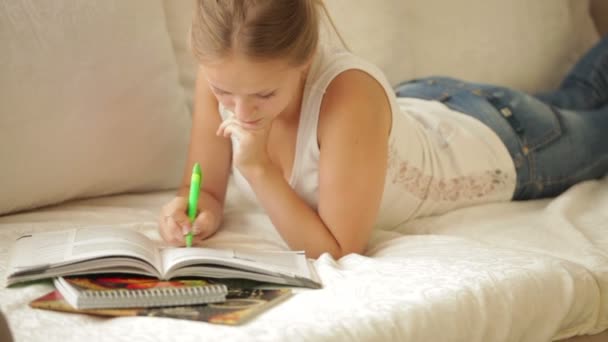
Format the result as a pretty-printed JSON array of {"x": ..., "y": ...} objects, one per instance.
[{"x": 95, "y": 250}]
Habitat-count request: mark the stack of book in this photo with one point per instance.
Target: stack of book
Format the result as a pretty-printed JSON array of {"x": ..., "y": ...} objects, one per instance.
[{"x": 112, "y": 271}]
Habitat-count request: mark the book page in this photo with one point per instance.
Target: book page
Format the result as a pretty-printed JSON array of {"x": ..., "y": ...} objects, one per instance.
[
  {"x": 52, "y": 248},
  {"x": 282, "y": 262},
  {"x": 292, "y": 261}
]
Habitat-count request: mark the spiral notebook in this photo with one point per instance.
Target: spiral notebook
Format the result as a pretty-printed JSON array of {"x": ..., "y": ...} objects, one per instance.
[
  {"x": 97, "y": 292},
  {"x": 241, "y": 305}
]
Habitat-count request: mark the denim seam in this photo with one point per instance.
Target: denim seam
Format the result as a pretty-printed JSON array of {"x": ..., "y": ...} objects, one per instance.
[
  {"x": 550, "y": 135},
  {"x": 555, "y": 181}
]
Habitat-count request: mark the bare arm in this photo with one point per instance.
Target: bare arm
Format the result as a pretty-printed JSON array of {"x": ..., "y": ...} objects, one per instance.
[
  {"x": 353, "y": 134},
  {"x": 213, "y": 153}
]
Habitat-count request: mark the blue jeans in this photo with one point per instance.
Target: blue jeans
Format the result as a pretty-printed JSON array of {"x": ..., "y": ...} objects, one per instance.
[{"x": 556, "y": 139}]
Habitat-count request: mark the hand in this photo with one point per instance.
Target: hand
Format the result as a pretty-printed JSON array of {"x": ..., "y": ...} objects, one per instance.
[
  {"x": 174, "y": 224},
  {"x": 251, "y": 151}
]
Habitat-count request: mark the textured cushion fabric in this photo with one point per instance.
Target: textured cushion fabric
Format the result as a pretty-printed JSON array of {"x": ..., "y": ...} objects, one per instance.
[
  {"x": 90, "y": 101},
  {"x": 179, "y": 18},
  {"x": 525, "y": 44}
]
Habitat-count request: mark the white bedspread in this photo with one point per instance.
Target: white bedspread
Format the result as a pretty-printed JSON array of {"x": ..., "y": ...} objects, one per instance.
[{"x": 528, "y": 271}]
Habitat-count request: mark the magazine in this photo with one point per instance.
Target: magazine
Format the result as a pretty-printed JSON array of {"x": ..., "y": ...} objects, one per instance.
[
  {"x": 241, "y": 305},
  {"x": 95, "y": 250}
]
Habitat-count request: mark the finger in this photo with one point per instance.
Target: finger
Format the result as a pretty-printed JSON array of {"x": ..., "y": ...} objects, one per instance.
[
  {"x": 164, "y": 229},
  {"x": 234, "y": 130},
  {"x": 183, "y": 223},
  {"x": 178, "y": 226},
  {"x": 171, "y": 231},
  {"x": 172, "y": 213},
  {"x": 222, "y": 128},
  {"x": 204, "y": 225}
]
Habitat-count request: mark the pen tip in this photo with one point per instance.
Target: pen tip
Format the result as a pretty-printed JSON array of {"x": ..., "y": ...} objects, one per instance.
[{"x": 196, "y": 168}]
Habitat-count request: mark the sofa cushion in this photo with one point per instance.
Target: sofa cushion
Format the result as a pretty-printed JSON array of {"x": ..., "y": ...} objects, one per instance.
[
  {"x": 521, "y": 43},
  {"x": 91, "y": 101},
  {"x": 599, "y": 12},
  {"x": 179, "y": 19}
]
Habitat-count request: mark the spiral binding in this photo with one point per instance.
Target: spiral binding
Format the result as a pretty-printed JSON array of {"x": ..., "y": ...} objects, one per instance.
[
  {"x": 156, "y": 292},
  {"x": 152, "y": 297}
]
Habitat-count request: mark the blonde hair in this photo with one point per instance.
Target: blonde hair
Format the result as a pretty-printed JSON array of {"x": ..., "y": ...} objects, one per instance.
[{"x": 259, "y": 29}]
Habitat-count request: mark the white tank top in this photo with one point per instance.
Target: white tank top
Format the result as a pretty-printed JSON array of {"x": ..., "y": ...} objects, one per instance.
[{"x": 439, "y": 159}]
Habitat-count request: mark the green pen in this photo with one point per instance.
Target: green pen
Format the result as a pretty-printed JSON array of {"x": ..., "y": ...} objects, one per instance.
[{"x": 195, "y": 189}]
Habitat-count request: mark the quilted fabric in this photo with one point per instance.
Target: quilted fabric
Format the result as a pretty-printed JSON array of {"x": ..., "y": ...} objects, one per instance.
[{"x": 526, "y": 271}]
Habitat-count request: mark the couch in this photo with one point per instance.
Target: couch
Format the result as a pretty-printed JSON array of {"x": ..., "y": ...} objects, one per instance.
[{"x": 95, "y": 101}]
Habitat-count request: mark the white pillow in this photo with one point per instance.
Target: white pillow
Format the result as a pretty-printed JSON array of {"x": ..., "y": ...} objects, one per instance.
[
  {"x": 520, "y": 43},
  {"x": 90, "y": 101}
]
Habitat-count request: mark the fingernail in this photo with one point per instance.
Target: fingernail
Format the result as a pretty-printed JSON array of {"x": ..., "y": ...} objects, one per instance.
[{"x": 185, "y": 230}]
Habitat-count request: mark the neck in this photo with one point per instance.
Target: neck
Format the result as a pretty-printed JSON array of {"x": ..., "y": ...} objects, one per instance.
[{"x": 292, "y": 112}]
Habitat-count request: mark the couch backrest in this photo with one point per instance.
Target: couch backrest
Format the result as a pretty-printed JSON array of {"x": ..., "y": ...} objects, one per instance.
[
  {"x": 599, "y": 12},
  {"x": 90, "y": 95},
  {"x": 90, "y": 101},
  {"x": 520, "y": 43}
]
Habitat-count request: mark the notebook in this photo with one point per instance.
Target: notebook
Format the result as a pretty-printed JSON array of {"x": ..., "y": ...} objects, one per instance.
[
  {"x": 118, "y": 291},
  {"x": 241, "y": 305}
]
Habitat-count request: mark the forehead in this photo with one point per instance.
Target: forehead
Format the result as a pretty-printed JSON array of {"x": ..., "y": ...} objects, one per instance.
[{"x": 242, "y": 75}]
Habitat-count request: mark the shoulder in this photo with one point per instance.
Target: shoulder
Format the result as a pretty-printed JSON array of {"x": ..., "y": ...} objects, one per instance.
[{"x": 354, "y": 100}]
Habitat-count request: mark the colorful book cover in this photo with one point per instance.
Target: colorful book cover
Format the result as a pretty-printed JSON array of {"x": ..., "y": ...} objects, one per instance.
[
  {"x": 117, "y": 282},
  {"x": 241, "y": 305}
]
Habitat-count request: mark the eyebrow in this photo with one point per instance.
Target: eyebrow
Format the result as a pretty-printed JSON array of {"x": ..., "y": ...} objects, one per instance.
[{"x": 261, "y": 93}]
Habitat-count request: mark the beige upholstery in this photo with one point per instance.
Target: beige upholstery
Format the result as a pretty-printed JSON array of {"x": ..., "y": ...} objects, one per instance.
[
  {"x": 599, "y": 11},
  {"x": 90, "y": 99},
  {"x": 520, "y": 43},
  {"x": 95, "y": 96}
]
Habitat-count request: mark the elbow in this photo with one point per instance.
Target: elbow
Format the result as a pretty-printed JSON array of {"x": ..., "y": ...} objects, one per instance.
[
  {"x": 354, "y": 246},
  {"x": 346, "y": 251},
  {"x": 337, "y": 252}
]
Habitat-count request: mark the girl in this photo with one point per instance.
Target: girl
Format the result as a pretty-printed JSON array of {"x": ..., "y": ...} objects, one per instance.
[{"x": 318, "y": 139}]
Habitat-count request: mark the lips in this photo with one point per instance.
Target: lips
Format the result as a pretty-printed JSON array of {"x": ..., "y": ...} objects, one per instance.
[{"x": 250, "y": 123}]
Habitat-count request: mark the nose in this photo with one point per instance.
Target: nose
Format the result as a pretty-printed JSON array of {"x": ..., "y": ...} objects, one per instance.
[{"x": 244, "y": 109}]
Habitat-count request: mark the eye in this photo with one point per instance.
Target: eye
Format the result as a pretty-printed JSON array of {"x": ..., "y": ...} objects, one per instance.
[
  {"x": 265, "y": 96},
  {"x": 219, "y": 92}
]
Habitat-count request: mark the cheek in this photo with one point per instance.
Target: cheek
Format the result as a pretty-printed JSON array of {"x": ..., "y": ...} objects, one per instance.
[
  {"x": 226, "y": 101},
  {"x": 267, "y": 106},
  {"x": 271, "y": 108},
  {"x": 276, "y": 105}
]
